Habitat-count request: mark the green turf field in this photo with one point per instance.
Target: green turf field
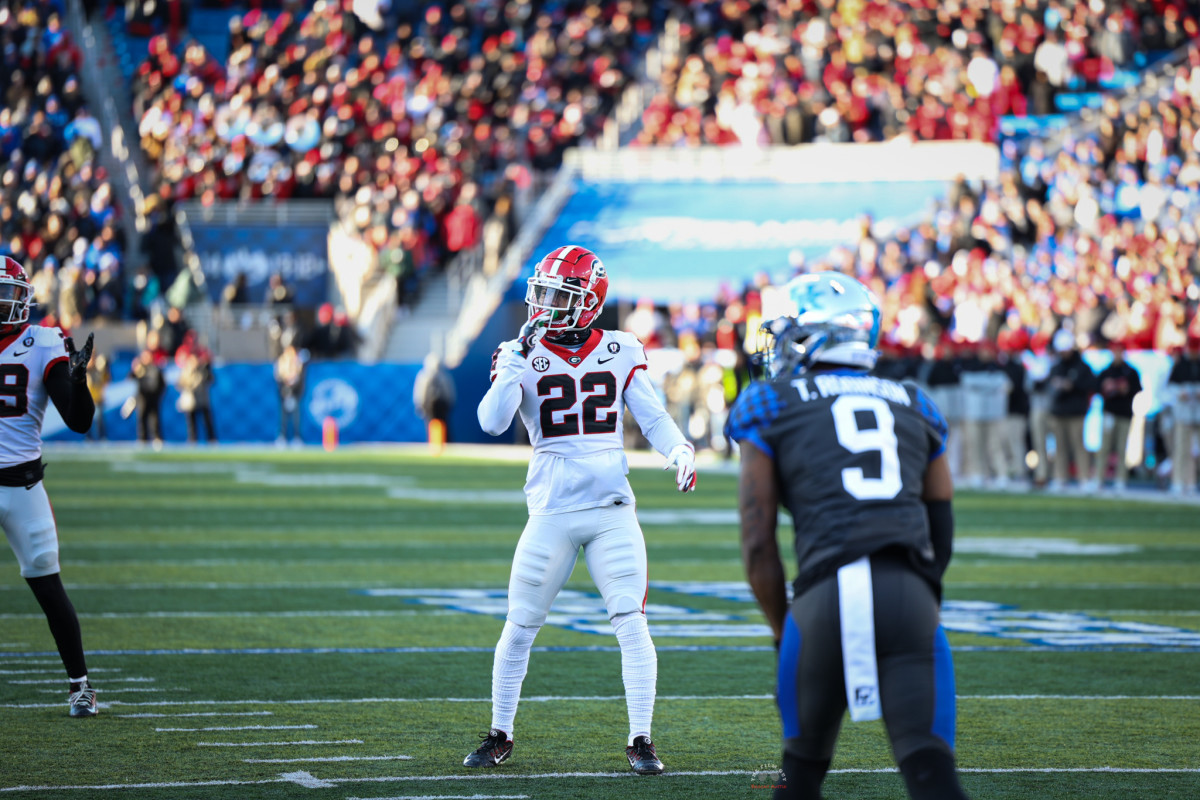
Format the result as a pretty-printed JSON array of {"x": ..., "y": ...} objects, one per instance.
[{"x": 313, "y": 625}]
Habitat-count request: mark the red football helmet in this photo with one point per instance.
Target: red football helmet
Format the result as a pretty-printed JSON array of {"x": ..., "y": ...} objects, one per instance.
[
  {"x": 570, "y": 285},
  {"x": 16, "y": 293}
]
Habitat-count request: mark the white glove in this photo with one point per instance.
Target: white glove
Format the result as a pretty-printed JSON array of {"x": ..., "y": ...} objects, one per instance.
[{"x": 683, "y": 458}]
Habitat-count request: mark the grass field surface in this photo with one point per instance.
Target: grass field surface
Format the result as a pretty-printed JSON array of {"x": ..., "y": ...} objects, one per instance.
[{"x": 302, "y": 624}]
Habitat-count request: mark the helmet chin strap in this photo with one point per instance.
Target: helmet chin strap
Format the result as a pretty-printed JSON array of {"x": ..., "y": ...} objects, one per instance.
[{"x": 570, "y": 338}]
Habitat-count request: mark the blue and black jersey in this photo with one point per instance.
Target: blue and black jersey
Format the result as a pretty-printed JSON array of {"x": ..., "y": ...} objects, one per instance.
[{"x": 850, "y": 452}]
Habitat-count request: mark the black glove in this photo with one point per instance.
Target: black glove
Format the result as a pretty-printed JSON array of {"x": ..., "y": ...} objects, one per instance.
[
  {"x": 532, "y": 332},
  {"x": 78, "y": 360}
]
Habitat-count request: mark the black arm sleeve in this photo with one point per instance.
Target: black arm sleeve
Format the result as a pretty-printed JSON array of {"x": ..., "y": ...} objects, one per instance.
[
  {"x": 73, "y": 400},
  {"x": 941, "y": 532}
]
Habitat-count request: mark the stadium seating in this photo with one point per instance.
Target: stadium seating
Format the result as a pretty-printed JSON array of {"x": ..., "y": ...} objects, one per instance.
[
  {"x": 790, "y": 73},
  {"x": 405, "y": 125},
  {"x": 58, "y": 212}
]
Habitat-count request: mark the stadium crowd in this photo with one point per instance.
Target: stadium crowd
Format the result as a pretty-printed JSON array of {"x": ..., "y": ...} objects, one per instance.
[
  {"x": 57, "y": 211},
  {"x": 424, "y": 128},
  {"x": 871, "y": 70},
  {"x": 1095, "y": 242}
]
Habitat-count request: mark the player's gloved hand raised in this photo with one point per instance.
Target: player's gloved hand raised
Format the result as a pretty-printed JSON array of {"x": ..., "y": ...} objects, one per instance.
[
  {"x": 532, "y": 331},
  {"x": 77, "y": 360},
  {"x": 683, "y": 458}
]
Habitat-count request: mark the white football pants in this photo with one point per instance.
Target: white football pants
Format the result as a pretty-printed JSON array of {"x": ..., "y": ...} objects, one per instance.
[
  {"x": 28, "y": 523},
  {"x": 613, "y": 547},
  {"x": 615, "y": 551}
]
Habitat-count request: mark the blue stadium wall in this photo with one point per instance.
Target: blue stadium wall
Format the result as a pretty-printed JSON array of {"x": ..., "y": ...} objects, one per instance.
[{"x": 370, "y": 404}]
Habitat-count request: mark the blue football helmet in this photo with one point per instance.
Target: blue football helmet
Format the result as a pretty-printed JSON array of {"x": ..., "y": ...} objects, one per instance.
[{"x": 829, "y": 318}]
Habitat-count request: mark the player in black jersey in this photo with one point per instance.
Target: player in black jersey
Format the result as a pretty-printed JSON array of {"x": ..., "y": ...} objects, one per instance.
[{"x": 858, "y": 461}]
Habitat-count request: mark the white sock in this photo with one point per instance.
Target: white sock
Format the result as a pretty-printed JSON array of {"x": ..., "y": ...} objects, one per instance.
[
  {"x": 508, "y": 672},
  {"x": 639, "y": 670},
  {"x": 82, "y": 681}
]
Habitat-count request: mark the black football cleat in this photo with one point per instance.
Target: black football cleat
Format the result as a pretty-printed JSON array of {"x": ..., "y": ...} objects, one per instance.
[
  {"x": 83, "y": 702},
  {"x": 494, "y": 751},
  {"x": 642, "y": 757}
]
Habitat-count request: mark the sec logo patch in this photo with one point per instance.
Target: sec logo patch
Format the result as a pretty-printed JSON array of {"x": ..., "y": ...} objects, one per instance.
[
  {"x": 541, "y": 363},
  {"x": 614, "y": 348}
]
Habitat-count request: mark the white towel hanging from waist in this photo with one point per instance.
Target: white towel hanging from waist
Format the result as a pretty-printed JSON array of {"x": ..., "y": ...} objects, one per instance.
[{"x": 857, "y": 608}]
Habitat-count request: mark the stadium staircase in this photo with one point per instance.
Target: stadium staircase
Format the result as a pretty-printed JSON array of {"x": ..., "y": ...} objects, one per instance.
[
  {"x": 456, "y": 305},
  {"x": 426, "y": 327}
]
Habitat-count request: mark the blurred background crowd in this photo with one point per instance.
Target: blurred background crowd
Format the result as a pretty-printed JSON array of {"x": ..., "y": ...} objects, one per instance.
[
  {"x": 427, "y": 127},
  {"x": 799, "y": 71},
  {"x": 57, "y": 209}
]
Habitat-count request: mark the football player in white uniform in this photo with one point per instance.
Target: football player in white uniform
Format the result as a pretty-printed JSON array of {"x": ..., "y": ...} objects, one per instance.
[
  {"x": 572, "y": 384},
  {"x": 38, "y": 364}
]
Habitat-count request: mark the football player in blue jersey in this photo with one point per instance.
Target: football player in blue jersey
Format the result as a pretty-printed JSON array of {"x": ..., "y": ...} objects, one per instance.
[{"x": 859, "y": 463}]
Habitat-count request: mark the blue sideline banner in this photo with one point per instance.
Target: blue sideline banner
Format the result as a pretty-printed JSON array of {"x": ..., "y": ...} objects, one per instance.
[
  {"x": 683, "y": 241},
  {"x": 369, "y": 403},
  {"x": 298, "y": 252}
]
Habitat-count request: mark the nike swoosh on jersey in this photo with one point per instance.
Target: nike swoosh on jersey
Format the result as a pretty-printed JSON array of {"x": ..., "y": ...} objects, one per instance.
[
  {"x": 604, "y": 360},
  {"x": 18, "y": 355}
]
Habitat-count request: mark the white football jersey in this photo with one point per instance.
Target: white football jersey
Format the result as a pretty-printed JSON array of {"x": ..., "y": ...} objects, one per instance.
[
  {"x": 573, "y": 405},
  {"x": 25, "y": 360}
]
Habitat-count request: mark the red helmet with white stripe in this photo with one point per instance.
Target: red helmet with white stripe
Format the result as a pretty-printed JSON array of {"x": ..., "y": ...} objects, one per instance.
[
  {"x": 570, "y": 285},
  {"x": 16, "y": 294}
]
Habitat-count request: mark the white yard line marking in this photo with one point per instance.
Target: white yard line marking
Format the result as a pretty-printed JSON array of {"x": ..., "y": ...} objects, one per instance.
[
  {"x": 446, "y": 797},
  {"x": 556, "y": 776},
  {"x": 181, "y": 468},
  {"x": 323, "y": 480},
  {"x": 293, "y": 562},
  {"x": 553, "y": 699},
  {"x": 199, "y": 714},
  {"x": 305, "y": 742},
  {"x": 1047, "y": 770},
  {"x": 322, "y": 759},
  {"x": 307, "y": 780},
  {"x": 1068, "y": 586},
  {"x": 206, "y": 585},
  {"x": 105, "y": 690},
  {"x": 52, "y": 671},
  {"x": 239, "y": 728},
  {"x": 29, "y": 682},
  {"x": 122, "y": 786},
  {"x": 1079, "y": 697},
  {"x": 398, "y": 612},
  {"x": 1166, "y": 612},
  {"x": 514, "y": 497}
]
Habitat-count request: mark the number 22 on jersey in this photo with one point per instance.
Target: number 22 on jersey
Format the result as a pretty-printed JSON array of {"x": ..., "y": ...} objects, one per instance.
[{"x": 561, "y": 395}]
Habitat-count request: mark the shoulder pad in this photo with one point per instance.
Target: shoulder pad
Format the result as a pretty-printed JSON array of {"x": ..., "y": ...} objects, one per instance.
[
  {"x": 46, "y": 337},
  {"x": 928, "y": 410},
  {"x": 624, "y": 338},
  {"x": 757, "y": 406}
]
